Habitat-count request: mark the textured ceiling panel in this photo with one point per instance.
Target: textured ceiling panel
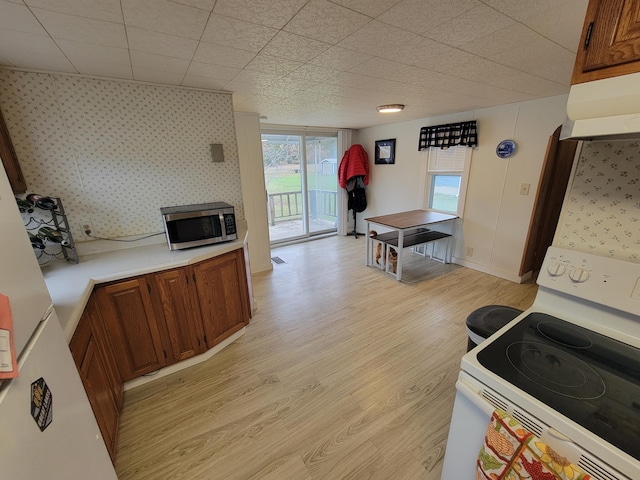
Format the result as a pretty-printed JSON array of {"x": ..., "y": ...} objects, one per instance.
[{"x": 313, "y": 62}]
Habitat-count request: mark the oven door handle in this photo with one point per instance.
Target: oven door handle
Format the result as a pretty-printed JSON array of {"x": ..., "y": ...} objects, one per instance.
[{"x": 474, "y": 395}]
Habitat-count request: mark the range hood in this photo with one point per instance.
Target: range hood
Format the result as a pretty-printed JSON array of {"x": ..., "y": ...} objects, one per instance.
[{"x": 607, "y": 109}]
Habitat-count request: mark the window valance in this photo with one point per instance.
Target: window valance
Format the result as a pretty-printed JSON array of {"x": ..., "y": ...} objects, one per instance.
[{"x": 449, "y": 135}]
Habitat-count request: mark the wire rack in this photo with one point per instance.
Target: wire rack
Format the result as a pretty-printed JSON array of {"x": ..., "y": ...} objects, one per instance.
[{"x": 56, "y": 219}]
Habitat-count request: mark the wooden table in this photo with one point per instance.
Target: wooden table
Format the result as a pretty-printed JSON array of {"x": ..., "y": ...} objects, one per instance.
[{"x": 415, "y": 227}]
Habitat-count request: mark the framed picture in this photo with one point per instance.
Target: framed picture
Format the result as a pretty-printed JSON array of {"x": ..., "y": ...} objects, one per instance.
[{"x": 386, "y": 151}]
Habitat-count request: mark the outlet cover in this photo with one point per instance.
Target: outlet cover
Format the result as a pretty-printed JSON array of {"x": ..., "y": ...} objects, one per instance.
[
  {"x": 524, "y": 188},
  {"x": 469, "y": 251},
  {"x": 86, "y": 225}
]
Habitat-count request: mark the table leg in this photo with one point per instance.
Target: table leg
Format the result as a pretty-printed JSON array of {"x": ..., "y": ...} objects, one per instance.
[
  {"x": 400, "y": 249},
  {"x": 368, "y": 247}
]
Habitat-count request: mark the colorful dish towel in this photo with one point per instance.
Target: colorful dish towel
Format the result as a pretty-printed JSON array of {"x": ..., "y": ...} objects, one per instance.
[{"x": 510, "y": 452}]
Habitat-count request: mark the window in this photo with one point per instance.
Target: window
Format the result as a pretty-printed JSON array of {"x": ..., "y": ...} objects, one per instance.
[{"x": 448, "y": 171}]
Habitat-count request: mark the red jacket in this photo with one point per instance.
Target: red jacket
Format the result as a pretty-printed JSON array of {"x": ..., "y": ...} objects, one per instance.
[{"x": 355, "y": 162}]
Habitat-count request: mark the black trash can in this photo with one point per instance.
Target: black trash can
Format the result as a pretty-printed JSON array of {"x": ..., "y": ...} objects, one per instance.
[{"x": 485, "y": 321}]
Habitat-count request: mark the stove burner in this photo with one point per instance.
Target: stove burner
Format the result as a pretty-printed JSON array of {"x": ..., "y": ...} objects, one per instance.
[
  {"x": 564, "y": 335},
  {"x": 555, "y": 370}
]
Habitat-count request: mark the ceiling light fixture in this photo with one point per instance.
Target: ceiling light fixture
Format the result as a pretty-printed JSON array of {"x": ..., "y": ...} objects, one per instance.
[{"x": 393, "y": 108}]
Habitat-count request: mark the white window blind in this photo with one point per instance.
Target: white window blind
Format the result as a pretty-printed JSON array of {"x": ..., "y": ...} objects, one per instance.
[{"x": 447, "y": 160}]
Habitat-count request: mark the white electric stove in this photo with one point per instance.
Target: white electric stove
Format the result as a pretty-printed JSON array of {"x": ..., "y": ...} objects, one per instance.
[{"x": 568, "y": 369}]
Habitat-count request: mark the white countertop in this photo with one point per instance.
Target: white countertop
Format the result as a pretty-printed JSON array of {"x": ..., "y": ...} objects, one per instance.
[{"x": 70, "y": 285}]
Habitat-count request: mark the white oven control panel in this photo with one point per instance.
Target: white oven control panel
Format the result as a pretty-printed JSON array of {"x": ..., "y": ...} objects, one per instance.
[{"x": 607, "y": 281}]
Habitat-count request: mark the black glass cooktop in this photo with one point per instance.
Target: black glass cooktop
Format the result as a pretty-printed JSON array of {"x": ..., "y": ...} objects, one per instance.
[{"x": 590, "y": 378}]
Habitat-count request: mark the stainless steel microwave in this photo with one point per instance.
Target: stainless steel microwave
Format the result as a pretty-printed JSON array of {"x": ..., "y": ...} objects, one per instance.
[{"x": 189, "y": 226}]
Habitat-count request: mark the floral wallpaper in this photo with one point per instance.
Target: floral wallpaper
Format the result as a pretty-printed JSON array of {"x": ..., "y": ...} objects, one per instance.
[
  {"x": 601, "y": 214},
  {"x": 117, "y": 151}
]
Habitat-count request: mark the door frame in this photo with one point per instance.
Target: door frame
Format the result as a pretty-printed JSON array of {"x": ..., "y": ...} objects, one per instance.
[{"x": 554, "y": 178}]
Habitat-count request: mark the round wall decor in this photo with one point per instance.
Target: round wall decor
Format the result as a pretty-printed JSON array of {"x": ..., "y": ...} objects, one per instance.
[{"x": 506, "y": 148}]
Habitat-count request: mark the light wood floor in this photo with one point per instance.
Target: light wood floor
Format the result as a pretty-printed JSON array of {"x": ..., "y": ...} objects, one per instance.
[{"x": 342, "y": 373}]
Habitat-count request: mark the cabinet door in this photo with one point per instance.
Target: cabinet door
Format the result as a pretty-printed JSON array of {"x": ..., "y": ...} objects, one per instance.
[
  {"x": 10, "y": 160},
  {"x": 131, "y": 326},
  {"x": 96, "y": 371},
  {"x": 222, "y": 292},
  {"x": 610, "y": 41},
  {"x": 182, "y": 328}
]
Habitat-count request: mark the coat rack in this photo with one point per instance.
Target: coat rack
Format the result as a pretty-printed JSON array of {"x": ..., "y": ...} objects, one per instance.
[{"x": 353, "y": 175}]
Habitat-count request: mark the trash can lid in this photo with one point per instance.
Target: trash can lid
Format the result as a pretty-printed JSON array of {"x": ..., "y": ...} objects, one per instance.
[{"x": 487, "y": 320}]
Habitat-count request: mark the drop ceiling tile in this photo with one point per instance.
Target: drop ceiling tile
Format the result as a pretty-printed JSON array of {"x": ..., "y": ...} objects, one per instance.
[
  {"x": 371, "y": 8},
  {"x": 510, "y": 38},
  {"x": 26, "y": 50},
  {"x": 542, "y": 58},
  {"x": 206, "y": 5},
  {"x": 376, "y": 36},
  {"x": 220, "y": 55},
  {"x": 419, "y": 16},
  {"x": 14, "y": 16},
  {"x": 326, "y": 22},
  {"x": 418, "y": 51},
  {"x": 156, "y": 76},
  {"x": 337, "y": 58},
  {"x": 247, "y": 82},
  {"x": 272, "y": 13},
  {"x": 519, "y": 10},
  {"x": 273, "y": 65},
  {"x": 165, "y": 17},
  {"x": 562, "y": 24},
  {"x": 104, "y": 69},
  {"x": 469, "y": 26},
  {"x": 231, "y": 32},
  {"x": 214, "y": 72},
  {"x": 295, "y": 47},
  {"x": 41, "y": 61},
  {"x": 108, "y": 10},
  {"x": 458, "y": 63},
  {"x": 313, "y": 74},
  {"x": 151, "y": 61},
  {"x": 79, "y": 29},
  {"x": 383, "y": 68},
  {"x": 203, "y": 82},
  {"x": 161, "y": 43},
  {"x": 87, "y": 52},
  {"x": 287, "y": 87}
]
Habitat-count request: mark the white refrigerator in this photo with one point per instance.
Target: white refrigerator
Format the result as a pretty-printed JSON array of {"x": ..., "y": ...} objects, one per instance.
[{"x": 47, "y": 427}]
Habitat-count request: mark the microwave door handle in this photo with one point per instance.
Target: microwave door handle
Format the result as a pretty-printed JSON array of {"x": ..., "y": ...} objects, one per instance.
[{"x": 223, "y": 226}]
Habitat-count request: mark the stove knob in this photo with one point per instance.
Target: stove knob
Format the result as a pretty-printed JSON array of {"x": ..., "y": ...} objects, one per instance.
[
  {"x": 579, "y": 275},
  {"x": 556, "y": 269}
]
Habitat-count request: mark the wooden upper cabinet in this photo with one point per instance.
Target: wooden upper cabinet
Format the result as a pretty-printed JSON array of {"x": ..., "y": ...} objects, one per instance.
[
  {"x": 131, "y": 326},
  {"x": 221, "y": 283},
  {"x": 610, "y": 41},
  {"x": 182, "y": 326},
  {"x": 10, "y": 160}
]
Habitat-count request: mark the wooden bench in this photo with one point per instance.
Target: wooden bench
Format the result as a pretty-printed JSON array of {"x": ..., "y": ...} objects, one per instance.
[{"x": 418, "y": 239}]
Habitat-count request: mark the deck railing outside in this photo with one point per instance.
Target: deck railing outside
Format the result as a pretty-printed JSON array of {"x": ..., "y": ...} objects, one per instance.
[{"x": 289, "y": 205}]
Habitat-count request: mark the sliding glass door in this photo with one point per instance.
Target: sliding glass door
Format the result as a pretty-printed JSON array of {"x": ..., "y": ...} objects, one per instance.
[{"x": 300, "y": 171}]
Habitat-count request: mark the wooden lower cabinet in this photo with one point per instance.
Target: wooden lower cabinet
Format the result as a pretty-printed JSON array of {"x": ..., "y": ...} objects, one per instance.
[
  {"x": 96, "y": 365},
  {"x": 132, "y": 327},
  {"x": 178, "y": 313},
  {"x": 221, "y": 284},
  {"x": 139, "y": 325}
]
